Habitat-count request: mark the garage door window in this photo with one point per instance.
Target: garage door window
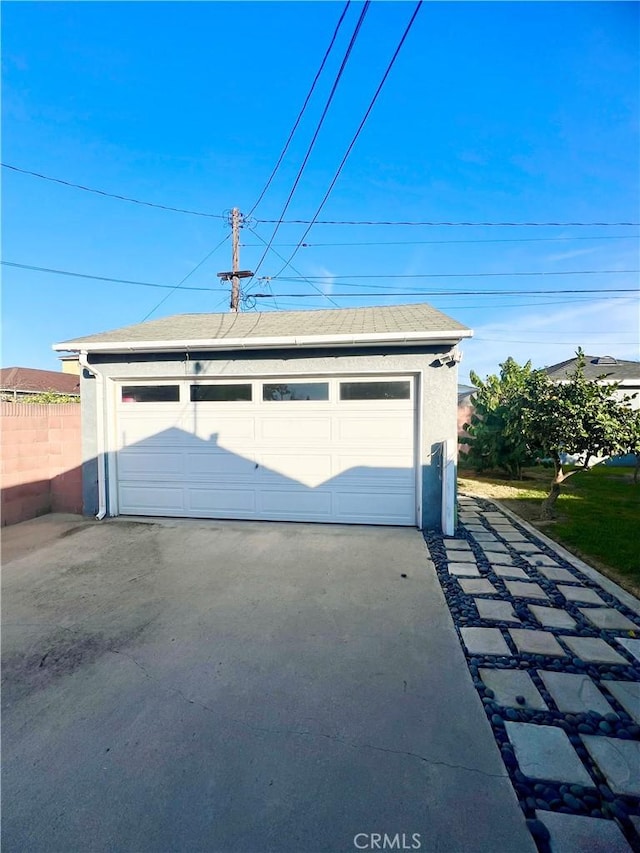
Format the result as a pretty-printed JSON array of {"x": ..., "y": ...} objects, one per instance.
[
  {"x": 375, "y": 390},
  {"x": 150, "y": 393},
  {"x": 220, "y": 393},
  {"x": 295, "y": 391}
]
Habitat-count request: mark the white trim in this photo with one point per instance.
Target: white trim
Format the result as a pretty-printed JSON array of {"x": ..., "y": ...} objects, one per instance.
[
  {"x": 390, "y": 338},
  {"x": 419, "y": 386},
  {"x": 111, "y": 390},
  {"x": 100, "y": 430}
]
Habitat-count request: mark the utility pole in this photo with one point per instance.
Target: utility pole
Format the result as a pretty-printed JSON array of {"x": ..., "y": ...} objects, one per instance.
[
  {"x": 235, "y": 274},
  {"x": 235, "y": 259}
]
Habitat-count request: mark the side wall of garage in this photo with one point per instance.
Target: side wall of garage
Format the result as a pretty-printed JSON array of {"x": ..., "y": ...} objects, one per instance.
[{"x": 439, "y": 395}]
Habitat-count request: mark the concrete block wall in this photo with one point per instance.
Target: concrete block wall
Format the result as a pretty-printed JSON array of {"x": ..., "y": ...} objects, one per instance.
[{"x": 40, "y": 460}]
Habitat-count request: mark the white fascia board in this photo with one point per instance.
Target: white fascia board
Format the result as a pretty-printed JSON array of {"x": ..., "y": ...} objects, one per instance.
[{"x": 389, "y": 338}]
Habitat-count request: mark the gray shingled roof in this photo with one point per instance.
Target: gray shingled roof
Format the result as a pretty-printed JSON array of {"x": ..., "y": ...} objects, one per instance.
[
  {"x": 281, "y": 324},
  {"x": 595, "y": 366}
]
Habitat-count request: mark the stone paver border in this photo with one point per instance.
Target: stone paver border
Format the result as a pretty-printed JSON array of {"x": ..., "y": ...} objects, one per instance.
[{"x": 615, "y": 813}]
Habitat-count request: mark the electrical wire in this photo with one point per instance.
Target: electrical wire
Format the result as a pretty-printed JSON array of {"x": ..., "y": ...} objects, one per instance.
[
  {"x": 432, "y": 293},
  {"x": 332, "y": 278},
  {"x": 111, "y": 195},
  {"x": 187, "y": 276},
  {"x": 357, "y": 133},
  {"x": 329, "y": 100},
  {"x": 448, "y": 224},
  {"x": 448, "y": 292},
  {"x": 447, "y": 242},
  {"x": 304, "y": 106},
  {"x": 326, "y": 221},
  {"x": 303, "y": 278},
  {"x": 98, "y": 277}
]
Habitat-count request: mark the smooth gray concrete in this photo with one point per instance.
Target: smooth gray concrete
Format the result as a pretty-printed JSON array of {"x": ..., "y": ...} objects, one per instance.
[
  {"x": 628, "y": 695},
  {"x": 593, "y": 650},
  {"x": 575, "y": 834},
  {"x": 232, "y": 686},
  {"x": 552, "y": 617},
  {"x": 545, "y": 752},
  {"x": 509, "y": 683},
  {"x": 608, "y": 617},
  {"x": 534, "y": 642},
  {"x": 619, "y": 760},
  {"x": 574, "y": 693},
  {"x": 498, "y": 611}
]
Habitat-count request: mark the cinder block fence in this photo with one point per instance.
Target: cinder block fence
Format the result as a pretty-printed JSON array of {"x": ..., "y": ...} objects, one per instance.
[{"x": 41, "y": 460}]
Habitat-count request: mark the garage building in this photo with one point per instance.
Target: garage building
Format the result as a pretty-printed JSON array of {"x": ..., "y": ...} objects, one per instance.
[{"x": 345, "y": 416}]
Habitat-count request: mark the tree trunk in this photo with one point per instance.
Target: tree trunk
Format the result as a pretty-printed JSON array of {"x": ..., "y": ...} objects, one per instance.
[
  {"x": 636, "y": 470},
  {"x": 548, "y": 504}
]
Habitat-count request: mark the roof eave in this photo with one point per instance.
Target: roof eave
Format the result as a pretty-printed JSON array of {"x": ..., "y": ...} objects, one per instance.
[{"x": 302, "y": 341}]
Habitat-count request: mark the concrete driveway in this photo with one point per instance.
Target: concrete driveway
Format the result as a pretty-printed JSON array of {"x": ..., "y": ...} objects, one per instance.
[{"x": 240, "y": 687}]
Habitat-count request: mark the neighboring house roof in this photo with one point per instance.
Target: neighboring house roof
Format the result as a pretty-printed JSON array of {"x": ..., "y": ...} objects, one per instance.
[
  {"x": 33, "y": 381},
  {"x": 614, "y": 369},
  {"x": 343, "y": 326}
]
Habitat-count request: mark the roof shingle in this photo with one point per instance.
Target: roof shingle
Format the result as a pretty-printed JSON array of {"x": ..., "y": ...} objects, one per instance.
[
  {"x": 38, "y": 381},
  {"x": 393, "y": 319}
]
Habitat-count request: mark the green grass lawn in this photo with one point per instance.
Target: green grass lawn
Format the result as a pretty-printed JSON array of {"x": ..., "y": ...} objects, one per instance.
[{"x": 598, "y": 514}]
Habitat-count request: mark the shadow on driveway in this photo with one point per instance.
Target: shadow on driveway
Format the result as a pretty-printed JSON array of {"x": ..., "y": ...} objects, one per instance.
[{"x": 229, "y": 686}]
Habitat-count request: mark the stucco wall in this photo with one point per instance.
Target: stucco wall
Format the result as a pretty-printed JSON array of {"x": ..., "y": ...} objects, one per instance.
[
  {"x": 40, "y": 460},
  {"x": 439, "y": 410}
]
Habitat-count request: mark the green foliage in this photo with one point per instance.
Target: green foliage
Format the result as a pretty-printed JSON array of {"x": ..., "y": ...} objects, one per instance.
[
  {"x": 522, "y": 415},
  {"x": 579, "y": 416},
  {"x": 495, "y": 437},
  {"x": 46, "y": 397}
]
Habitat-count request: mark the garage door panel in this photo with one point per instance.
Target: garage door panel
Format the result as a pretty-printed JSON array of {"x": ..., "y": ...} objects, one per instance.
[
  {"x": 213, "y": 464},
  {"x": 364, "y": 505},
  {"x": 292, "y": 428},
  {"x": 140, "y": 499},
  {"x": 161, "y": 430},
  {"x": 294, "y": 503},
  {"x": 149, "y": 464},
  {"x": 310, "y": 460},
  {"x": 392, "y": 429},
  {"x": 223, "y": 429},
  {"x": 218, "y": 501},
  {"x": 317, "y": 469}
]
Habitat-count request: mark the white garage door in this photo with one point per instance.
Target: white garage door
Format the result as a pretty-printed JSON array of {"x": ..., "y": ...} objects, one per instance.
[{"x": 320, "y": 449}]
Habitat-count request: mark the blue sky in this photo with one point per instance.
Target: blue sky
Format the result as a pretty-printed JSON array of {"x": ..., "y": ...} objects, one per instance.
[{"x": 493, "y": 112}]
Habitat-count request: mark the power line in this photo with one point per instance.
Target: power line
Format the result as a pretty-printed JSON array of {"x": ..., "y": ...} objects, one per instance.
[
  {"x": 329, "y": 100},
  {"x": 446, "y": 242},
  {"x": 332, "y": 278},
  {"x": 111, "y": 195},
  {"x": 449, "y": 292},
  {"x": 431, "y": 293},
  {"x": 304, "y": 106},
  {"x": 448, "y": 224},
  {"x": 357, "y": 133},
  {"x": 99, "y": 277},
  {"x": 326, "y": 221},
  {"x": 187, "y": 276},
  {"x": 303, "y": 278}
]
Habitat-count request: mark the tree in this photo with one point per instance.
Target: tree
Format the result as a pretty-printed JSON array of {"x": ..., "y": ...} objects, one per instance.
[
  {"x": 495, "y": 436},
  {"x": 522, "y": 415},
  {"x": 577, "y": 417}
]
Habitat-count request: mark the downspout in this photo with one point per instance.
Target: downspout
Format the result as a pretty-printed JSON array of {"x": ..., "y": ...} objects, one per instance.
[{"x": 100, "y": 437}]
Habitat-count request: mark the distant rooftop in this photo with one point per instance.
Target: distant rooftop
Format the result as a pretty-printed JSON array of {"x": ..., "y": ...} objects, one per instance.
[
  {"x": 279, "y": 327},
  {"x": 597, "y": 365},
  {"x": 34, "y": 381}
]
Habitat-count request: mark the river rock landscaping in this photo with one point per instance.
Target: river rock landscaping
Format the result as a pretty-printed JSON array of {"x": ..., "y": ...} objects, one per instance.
[{"x": 555, "y": 658}]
